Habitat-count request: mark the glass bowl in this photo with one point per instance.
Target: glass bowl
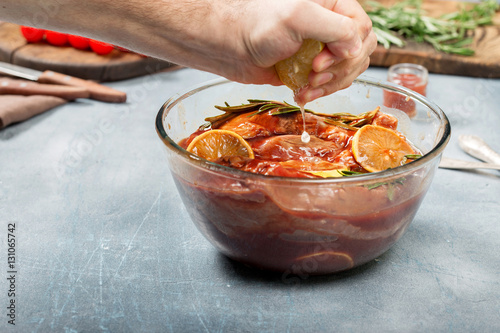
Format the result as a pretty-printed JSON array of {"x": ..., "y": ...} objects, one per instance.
[{"x": 297, "y": 225}]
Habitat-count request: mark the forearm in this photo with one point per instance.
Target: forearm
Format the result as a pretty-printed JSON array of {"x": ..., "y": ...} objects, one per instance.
[
  {"x": 238, "y": 39},
  {"x": 152, "y": 26}
]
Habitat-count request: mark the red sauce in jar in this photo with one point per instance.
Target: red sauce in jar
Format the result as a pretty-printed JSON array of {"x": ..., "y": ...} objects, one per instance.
[{"x": 402, "y": 102}]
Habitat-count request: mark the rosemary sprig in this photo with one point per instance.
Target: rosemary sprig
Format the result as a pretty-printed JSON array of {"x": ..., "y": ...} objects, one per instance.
[
  {"x": 341, "y": 124},
  {"x": 256, "y": 105},
  {"x": 447, "y": 34},
  {"x": 410, "y": 157},
  {"x": 344, "y": 120},
  {"x": 391, "y": 187},
  {"x": 349, "y": 121}
]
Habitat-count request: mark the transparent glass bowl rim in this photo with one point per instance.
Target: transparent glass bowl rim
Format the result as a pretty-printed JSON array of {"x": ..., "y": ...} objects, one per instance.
[{"x": 443, "y": 136}]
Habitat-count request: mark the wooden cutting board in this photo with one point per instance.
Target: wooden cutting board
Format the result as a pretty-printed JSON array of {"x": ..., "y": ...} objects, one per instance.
[
  {"x": 115, "y": 66},
  {"x": 484, "y": 63}
]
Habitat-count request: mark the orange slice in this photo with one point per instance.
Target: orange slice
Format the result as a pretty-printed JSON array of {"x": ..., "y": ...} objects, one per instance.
[
  {"x": 214, "y": 144},
  {"x": 294, "y": 71},
  {"x": 378, "y": 148}
]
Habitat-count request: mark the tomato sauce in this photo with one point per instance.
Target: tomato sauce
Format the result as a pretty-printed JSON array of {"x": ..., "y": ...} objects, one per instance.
[{"x": 399, "y": 101}]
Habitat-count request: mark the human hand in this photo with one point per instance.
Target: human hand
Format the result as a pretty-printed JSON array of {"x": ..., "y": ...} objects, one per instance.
[
  {"x": 240, "y": 40},
  {"x": 339, "y": 64},
  {"x": 342, "y": 25}
]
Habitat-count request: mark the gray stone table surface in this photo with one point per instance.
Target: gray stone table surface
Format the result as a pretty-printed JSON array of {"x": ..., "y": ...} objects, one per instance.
[{"x": 103, "y": 242}]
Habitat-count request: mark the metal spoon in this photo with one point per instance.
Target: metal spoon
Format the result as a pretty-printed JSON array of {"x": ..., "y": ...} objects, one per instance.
[
  {"x": 476, "y": 147},
  {"x": 449, "y": 163}
]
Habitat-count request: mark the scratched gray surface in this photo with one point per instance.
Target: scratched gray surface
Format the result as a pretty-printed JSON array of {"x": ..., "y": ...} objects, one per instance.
[{"x": 105, "y": 245}]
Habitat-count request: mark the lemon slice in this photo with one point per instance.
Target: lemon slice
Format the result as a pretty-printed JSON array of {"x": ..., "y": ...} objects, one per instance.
[
  {"x": 214, "y": 144},
  {"x": 328, "y": 173},
  {"x": 294, "y": 71},
  {"x": 377, "y": 148}
]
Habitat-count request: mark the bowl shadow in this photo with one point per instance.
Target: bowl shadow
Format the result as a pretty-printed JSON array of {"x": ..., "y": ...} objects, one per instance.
[{"x": 243, "y": 273}]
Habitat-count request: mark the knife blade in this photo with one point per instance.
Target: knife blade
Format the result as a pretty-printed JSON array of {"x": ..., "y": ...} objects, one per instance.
[{"x": 97, "y": 91}]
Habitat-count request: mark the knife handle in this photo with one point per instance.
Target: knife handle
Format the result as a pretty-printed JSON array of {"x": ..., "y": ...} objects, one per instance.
[
  {"x": 21, "y": 87},
  {"x": 97, "y": 91}
]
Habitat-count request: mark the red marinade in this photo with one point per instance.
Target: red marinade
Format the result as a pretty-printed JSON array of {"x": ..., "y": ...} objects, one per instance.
[
  {"x": 400, "y": 101},
  {"x": 298, "y": 228},
  {"x": 273, "y": 228},
  {"x": 279, "y": 150}
]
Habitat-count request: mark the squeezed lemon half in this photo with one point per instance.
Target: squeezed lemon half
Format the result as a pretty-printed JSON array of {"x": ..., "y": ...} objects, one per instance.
[{"x": 294, "y": 71}]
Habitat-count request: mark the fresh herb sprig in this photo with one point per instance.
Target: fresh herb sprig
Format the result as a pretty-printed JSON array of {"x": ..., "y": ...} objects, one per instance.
[
  {"x": 447, "y": 34},
  {"x": 255, "y": 106},
  {"x": 349, "y": 121},
  {"x": 348, "y": 173}
]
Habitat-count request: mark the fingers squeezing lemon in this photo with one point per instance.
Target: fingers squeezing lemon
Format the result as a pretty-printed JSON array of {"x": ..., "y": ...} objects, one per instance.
[{"x": 294, "y": 71}]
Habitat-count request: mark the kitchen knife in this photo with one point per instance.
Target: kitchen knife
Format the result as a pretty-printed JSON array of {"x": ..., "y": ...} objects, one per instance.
[{"x": 97, "y": 91}]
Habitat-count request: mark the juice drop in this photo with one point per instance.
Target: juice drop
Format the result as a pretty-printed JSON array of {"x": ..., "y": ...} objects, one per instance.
[
  {"x": 305, "y": 136},
  {"x": 294, "y": 72}
]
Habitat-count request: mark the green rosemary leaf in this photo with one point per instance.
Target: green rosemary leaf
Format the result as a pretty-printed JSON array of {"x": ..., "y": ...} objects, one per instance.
[
  {"x": 364, "y": 118},
  {"x": 413, "y": 156},
  {"x": 289, "y": 109},
  {"x": 386, "y": 38},
  {"x": 205, "y": 126},
  {"x": 341, "y": 119},
  {"x": 345, "y": 117},
  {"x": 262, "y": 101},
  {"x": 406, "y": 19},
  {"x": 216, "y": 120},
  {"x": 390, "y": 191},
  {"x": 341, "y": 124},
  {"x": 348, "y": 173},
  {"x": 463, "y": 42},
  {"x": 239, "y": 108},
  {"x": 375, "y": 185}
]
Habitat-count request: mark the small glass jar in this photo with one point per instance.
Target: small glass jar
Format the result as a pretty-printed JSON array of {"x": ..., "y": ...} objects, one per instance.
[{"x": 411, "y": 76}]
